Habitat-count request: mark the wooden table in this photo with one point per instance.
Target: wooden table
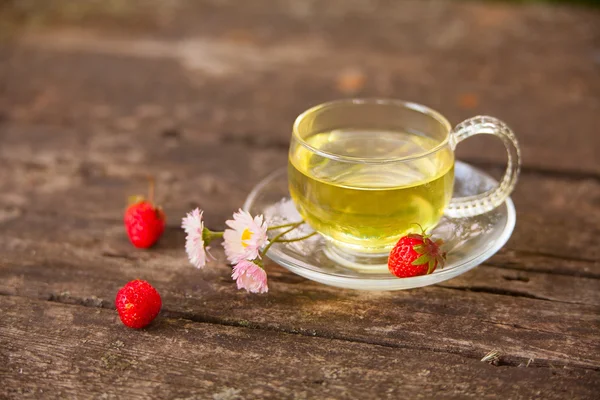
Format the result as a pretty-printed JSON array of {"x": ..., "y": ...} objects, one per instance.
[{"x": 202, "y": 96}]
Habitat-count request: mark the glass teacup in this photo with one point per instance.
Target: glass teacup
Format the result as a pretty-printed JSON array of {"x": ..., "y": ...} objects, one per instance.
[{"x": 363, "y": 173}]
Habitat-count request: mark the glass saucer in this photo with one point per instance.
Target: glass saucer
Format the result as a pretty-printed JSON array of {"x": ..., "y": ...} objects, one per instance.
[{"x": 468, "y": 241}]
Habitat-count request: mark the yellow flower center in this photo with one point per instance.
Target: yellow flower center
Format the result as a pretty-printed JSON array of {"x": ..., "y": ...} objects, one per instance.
[{"x": 246, "y": 235}]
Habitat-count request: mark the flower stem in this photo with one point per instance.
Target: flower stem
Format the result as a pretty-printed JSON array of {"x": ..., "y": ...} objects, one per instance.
[
  {"x": 271, "y": 228},
  {"x": 276, "y": 238},
  {"x": 208, "y": 235},
  {"x": 296, "y": 239}
]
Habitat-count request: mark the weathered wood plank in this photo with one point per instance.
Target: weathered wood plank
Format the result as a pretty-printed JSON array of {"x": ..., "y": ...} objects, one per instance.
[
  {"x": 207, "y": 108},
  {"x": 101, "y": 173},
  {"x": 39, "y": 195},
  {"x": 76, "y": 236},
  {"x": 52, "y": 350},
  {"x": 94, "y": 240},
  {"x": 557, "y": 217},
  {"x": 456, "y": 321},
  {"x": 530, "y": 284},
  {"x": 541, "y": 230},
  {"x": 233, "y": 78},
  {"x": 527, "y": 260}
]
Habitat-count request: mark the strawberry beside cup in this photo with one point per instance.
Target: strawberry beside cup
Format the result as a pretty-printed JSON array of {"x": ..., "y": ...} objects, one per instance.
[{"x": 416, "y": 254}]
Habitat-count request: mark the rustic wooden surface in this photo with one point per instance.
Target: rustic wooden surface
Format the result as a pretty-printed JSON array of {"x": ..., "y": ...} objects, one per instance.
[{"x": 202, "y": 95}]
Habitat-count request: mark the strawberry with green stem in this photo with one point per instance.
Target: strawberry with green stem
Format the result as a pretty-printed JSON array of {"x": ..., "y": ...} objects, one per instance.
[{"x": 416, "y": 254}]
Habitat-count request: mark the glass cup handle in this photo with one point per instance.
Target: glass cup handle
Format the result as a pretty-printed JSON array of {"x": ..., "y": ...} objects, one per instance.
[{"x": 481, "y": 203}]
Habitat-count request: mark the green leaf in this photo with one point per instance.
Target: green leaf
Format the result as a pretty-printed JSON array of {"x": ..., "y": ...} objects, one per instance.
[
  {"x": 424, "y": 259},
  {"x": 431, "y": 266},
  {"x": 135, "y": 199},
  {"x": 420, "y": 248}
]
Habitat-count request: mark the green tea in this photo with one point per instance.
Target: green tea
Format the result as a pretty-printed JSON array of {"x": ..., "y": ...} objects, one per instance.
[{"x": 367, "y": 206}]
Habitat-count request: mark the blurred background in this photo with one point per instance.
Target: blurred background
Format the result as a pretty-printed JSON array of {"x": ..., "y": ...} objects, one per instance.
[{"x": 128, "y": 82}]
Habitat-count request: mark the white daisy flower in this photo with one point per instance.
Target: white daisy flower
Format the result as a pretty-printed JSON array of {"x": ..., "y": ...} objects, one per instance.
[
  {"x": 194, "y": 241},
  {"x": 245, "y": 238}
]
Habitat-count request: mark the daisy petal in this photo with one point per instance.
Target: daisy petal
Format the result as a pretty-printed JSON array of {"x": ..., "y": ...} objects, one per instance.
[
  {"x": 193, "y": 225},
  {"x": 250, "y": 276}
]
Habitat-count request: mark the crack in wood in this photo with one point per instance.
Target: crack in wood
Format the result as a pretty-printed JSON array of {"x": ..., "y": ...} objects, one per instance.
[
  {"x": 123, "y": 256},
  {"x": 516, "y": 278},
  {"x": 502, "y": 292},
  {"x": 507, "y": 360},
  {"x": 537, "y": 170},
  {"x": 488, "y": 321},
  {"x": 520, "y": 268},
  {"x": 559, "y": 257}
]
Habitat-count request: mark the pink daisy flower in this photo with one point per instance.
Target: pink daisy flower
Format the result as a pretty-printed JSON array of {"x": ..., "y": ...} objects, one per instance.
[
  {"x": 245, "y": 238},
  {"x": 194, "y": 242},
  {"x": 250, "y": 276}
]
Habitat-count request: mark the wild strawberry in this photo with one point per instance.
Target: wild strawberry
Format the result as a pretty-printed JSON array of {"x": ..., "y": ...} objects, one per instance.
[
  {"x": 144, "y": 222},
  {"x": 138, "y": 303},
  {"x": 414, "y": 255}
]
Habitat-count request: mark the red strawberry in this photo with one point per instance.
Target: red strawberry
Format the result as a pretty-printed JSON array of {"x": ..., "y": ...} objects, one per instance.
[
  {"x": 144, "y": 222},
  {"x": 414, "y": 255},
  {"x": 138, "y": 303}
]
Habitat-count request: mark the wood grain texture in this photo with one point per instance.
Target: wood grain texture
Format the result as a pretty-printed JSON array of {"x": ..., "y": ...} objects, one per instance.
[
  {"x": 184, "y": 359},
  {"x": 202, "y": 96},
  {"x": 39, "y": 177},
  {"x": 231, "y": 76},
  {"x": 492, "y": 308}
]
